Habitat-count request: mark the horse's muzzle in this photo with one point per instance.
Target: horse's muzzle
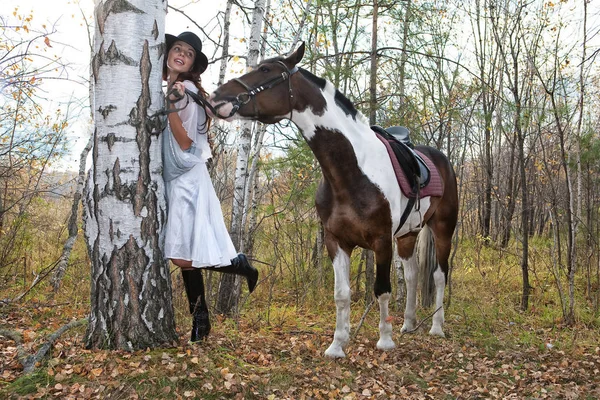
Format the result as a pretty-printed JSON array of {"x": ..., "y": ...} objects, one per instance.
[{"x": 225, "y": 110}]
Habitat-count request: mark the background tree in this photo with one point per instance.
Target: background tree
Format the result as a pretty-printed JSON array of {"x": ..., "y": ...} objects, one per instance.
[
  {"x": 229, "y": 289},
  {"x": 32, "y": 140}
]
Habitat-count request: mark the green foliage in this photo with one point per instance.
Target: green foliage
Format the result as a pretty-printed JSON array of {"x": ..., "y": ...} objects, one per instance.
[
  {"x": 590, "y": 150},
  {"x": 32, "y": 243},
  {"x": 29, "y": 384}
]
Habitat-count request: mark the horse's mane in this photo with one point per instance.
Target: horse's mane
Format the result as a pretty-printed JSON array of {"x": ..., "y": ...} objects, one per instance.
[{"x": 340, "y": 99}]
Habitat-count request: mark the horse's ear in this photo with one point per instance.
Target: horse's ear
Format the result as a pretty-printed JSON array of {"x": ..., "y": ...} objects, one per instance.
[{"x": 298, "y": 54}]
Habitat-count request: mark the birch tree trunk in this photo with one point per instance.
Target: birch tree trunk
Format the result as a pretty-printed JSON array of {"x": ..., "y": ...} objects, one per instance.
[
  {"x": 218, "y": 132},
  {"x": 373, "y": 72},
  {"x": 370, "y": 256},
  {"x": 579, "y": 194},
  {"x": 225, "y": 51},
  {"x": 73, "y": 228},
  {"x": 125, "y": 211},
  {"x": 229, "y": 290},
  {"x": 486, "y": 59},
  {"x": 404, "y": 59},
  {"x": 251, "y": 197},
  {"x": 298, "y": 34},
  {"x": 401, "y": 282}
]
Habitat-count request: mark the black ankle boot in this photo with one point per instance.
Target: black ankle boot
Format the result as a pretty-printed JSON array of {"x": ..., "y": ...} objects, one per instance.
[
  {"x": 194, "y": 288},
  {"x": 241, "y": 266}
]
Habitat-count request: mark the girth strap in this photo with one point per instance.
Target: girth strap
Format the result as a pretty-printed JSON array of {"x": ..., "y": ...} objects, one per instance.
[{"x": 406, "y": 213}]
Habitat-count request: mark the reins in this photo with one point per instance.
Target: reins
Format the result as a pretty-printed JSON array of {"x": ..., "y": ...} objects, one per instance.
[{"x": 157, "y": 122}]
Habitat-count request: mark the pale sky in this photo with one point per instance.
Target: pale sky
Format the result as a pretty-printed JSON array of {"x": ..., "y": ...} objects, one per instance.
[{"x": 71, "y": 44}]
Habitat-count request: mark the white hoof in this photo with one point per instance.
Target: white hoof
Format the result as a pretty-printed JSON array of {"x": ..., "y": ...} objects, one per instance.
[
  {"x": 386, "y": 344},
  {"x": 335, "y": 351},
  {"x": 437, "y": 331},
  {"x": 407, "y": 328}
]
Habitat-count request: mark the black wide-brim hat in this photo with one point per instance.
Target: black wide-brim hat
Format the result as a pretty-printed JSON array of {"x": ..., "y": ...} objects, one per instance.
[{"x": 201, "y": 61}]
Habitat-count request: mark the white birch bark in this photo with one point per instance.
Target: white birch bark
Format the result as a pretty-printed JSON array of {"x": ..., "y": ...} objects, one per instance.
[
  {"x": 579, "y": 177},
  {"x": 230, "y": 284},
  {"x": 300, "y": 30},
  {"x": 61, "y": 268},
  {"x": 225, "y": 51},
  {"x": 125, "y": 209},
  {"x": 218, "y": 131},
  {"x": 252, "y": 197}
]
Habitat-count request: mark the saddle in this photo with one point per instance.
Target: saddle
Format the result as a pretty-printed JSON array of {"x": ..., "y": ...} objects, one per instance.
[
  {"x": 416, "y": 174},
  {"x": 413, "y": 167}
]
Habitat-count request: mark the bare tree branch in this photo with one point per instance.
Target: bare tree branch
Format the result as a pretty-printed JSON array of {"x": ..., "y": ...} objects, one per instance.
[{"x": 29, "y": 361}]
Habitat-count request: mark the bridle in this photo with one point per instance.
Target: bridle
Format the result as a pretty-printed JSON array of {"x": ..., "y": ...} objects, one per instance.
[
  {"x": 157, "y": 121},
  {"x": 251, "y": 92}
]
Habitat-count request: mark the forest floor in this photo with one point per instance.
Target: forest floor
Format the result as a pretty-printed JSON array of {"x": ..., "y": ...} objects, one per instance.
[{"x": 250, "y": 360}]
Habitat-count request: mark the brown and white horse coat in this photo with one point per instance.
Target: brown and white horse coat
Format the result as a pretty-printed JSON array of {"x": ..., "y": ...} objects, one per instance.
[{"x": 359, "y": 200}]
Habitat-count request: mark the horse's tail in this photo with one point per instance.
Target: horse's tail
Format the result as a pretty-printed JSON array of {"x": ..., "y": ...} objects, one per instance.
[{"x": 427, "y": 265}]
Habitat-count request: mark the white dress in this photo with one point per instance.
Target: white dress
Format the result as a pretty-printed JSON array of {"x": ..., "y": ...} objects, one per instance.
[{"x": 195, "y": 228}]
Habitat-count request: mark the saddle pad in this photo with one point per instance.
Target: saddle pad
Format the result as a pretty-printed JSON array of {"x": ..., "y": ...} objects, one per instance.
[{"x": 433, "y": 188}]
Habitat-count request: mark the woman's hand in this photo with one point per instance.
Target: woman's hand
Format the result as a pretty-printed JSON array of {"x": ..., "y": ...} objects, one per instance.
[{"x": 176, "y": 92}]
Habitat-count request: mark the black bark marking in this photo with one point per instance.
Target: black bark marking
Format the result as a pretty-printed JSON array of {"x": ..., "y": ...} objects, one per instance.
[
  {"x": 155, "y": 30},
  {"x": 103, "y": 10},
  {"x": 96, "y": 62},
  {"x": 127, "y": 288},
  {"x": 110, "y": 140},
  {"x": 144, "y": 196},
  {"x": 114, "y": 57},
  {"x": 105, "y": 111}
]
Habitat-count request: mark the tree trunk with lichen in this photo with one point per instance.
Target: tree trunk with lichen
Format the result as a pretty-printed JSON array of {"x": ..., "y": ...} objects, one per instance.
[{"x": 125, "y": 208}]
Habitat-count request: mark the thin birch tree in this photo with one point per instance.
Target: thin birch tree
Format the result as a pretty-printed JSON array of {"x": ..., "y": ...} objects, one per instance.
[{"x": 229, "y": 290}]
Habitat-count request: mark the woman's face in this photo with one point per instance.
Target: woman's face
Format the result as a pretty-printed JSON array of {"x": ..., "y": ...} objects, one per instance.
[{"x": 181, "y": 58}]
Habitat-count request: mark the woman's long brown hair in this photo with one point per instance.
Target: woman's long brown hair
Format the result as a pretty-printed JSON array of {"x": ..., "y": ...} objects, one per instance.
[{"x": 191, "y": 76}]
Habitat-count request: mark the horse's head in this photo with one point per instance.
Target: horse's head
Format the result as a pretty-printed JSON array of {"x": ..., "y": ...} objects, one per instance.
[{"x": 264, "y": 94}]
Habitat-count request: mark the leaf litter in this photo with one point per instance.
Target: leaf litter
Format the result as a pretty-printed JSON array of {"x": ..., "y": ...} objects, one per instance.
[{"x": 259, "y": 363}]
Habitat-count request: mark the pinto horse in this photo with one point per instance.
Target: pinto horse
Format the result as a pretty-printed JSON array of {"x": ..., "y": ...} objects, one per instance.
[{"x": 359, "y": 200}]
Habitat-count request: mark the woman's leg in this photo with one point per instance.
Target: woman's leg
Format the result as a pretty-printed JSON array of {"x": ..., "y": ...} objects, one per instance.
[
  {"x": 194, "y": 288},
  {"x": 240, "y": 266}
]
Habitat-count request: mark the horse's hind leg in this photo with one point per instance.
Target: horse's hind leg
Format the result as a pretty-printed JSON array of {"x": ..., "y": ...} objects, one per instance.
[
  {"x": 406, "y": 247},
  {"x": 341, "y": 269},
  {"x": 438, "y": 317},
  {"x": 383, "y": 290},
  {"x": 411, "y": 275},
  {"x": 442, "y": 249}
]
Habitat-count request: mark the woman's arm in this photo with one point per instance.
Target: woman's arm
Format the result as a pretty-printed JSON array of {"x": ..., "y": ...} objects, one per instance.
[
  {"x": 178, "y": 130},
  {"x": 175, "y": 122}
]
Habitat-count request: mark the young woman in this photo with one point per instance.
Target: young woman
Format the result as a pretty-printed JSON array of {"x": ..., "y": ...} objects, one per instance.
[{"x": 196, "y": 236}]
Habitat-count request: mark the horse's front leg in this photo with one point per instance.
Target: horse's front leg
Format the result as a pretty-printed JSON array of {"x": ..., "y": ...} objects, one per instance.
[
  {"x": 341, "y": 269},
  {"x": 383, "y": 291}
]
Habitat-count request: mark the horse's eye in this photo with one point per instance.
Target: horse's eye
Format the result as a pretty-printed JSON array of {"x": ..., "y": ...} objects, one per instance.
[{"x": 263, "y": 69}]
